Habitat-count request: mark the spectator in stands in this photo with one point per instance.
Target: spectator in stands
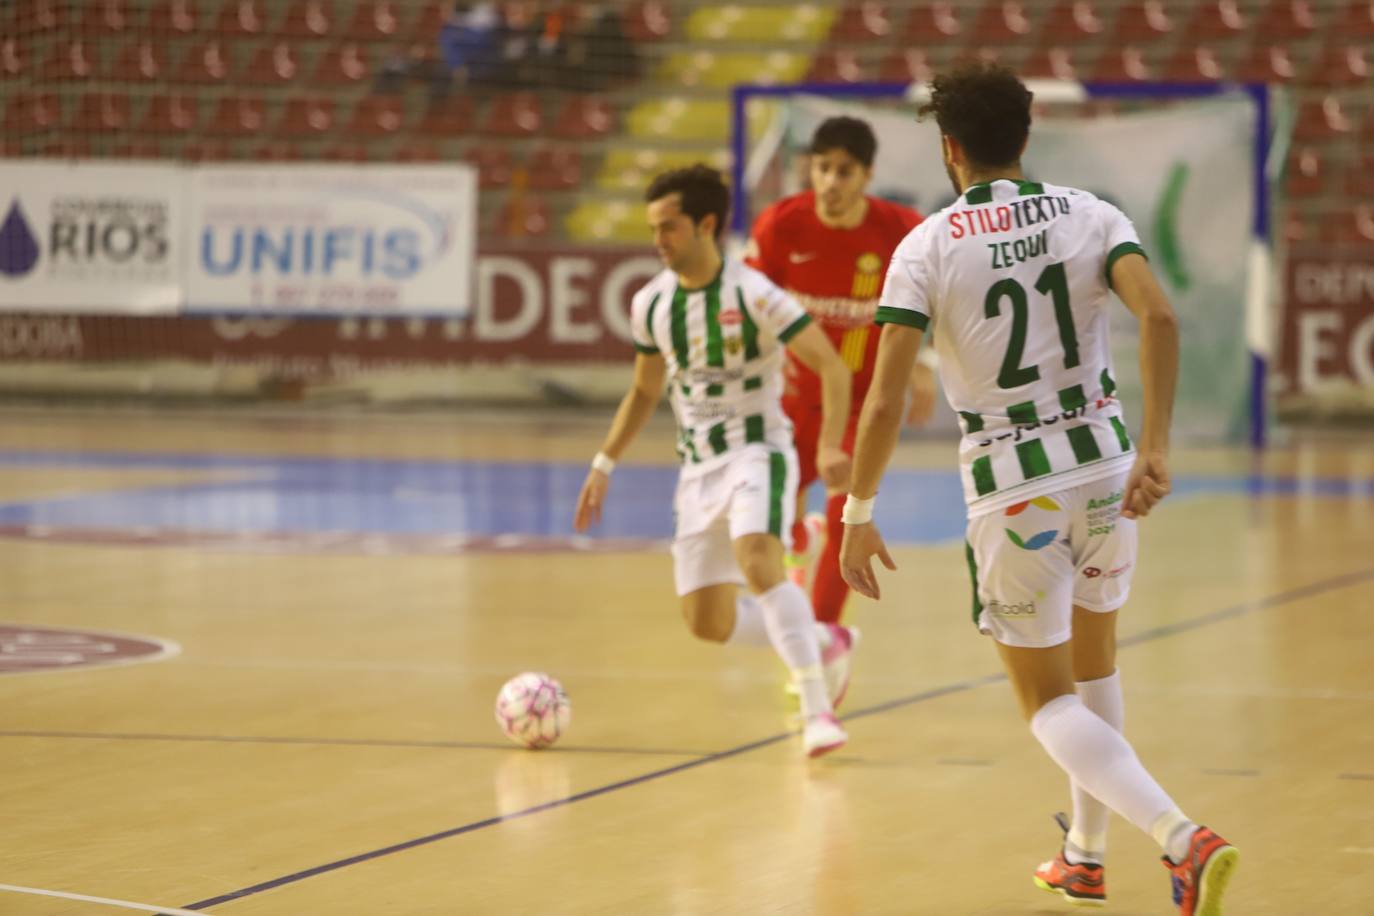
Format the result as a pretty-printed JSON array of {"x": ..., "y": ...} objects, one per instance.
[
  {"x": 599, "y": 53},
  {"x": 470, "y": 40}
]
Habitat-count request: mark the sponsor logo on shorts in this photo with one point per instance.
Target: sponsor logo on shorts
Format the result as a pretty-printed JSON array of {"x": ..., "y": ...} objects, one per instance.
[
  {"x": 1113, "y": 573},
  {"x": 1011, "y": 609},
  {"x": 1040, "y": 540},
  {"x": 1092, "y": 572},
  {"x": 1103, "y": 513}
]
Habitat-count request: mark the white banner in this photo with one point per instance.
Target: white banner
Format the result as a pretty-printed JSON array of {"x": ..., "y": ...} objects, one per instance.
[
  {"x": 378, "y": 240},
  {"x": 90, "y": 237}
]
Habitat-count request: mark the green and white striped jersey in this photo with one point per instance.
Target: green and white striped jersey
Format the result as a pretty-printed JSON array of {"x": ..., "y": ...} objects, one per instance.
[
  {"x": 723, "y": 344},
  {"x": 1016, "y": 275}
]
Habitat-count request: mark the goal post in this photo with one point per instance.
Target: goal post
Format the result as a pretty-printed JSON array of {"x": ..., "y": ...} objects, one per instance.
[{"x": 1188, "y": 163}]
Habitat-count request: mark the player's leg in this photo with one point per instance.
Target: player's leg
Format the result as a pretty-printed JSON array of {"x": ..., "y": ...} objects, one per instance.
[
  {"x": 801, "y": 553},
  {"x": 829, "y": 591}
]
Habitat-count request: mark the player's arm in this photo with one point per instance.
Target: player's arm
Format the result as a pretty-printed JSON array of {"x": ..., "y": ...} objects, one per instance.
[
  {"x": 635, "y": 409},
  {"x": 1135, "y": 283},
  {"x": 813, "y": 348}
]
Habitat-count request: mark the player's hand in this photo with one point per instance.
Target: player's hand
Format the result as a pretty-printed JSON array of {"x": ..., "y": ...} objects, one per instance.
[
  {"x": 861, "y": 543},
  {"x": 833, "y": 466},
  {"x": 1147, "y": 484},
  {"x": 590, "y": 500},
  {"x": 920, "y": 405}
]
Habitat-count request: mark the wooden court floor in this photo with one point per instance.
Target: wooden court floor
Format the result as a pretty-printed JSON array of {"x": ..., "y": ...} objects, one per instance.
[{"x": 319, "y": 739}]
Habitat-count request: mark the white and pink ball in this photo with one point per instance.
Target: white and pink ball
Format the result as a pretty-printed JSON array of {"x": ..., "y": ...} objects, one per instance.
[{"x": 533, "y": 710}]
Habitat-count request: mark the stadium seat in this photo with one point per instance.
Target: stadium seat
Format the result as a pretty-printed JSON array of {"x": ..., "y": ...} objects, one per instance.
[
  {"x": 1321, "y": 120},
  {"x": 413, "y": 150},
  {"x": 376, "y": 20},
  {"x": 494, "y": 165},
  {"x": 239, "y": 115},
  {"x": 523, "y": 216},
  {"x": 207, "y": 62},
  {"x": 277, "y": 151},
  {"x": 1359, "y": 178},
  {"x": 1123, "y": 65},
  {"x": 1059, "y": 63},
  {"x": 102, "y": 112},
  {"x": 648, "y": 20},
  {"x": 555, "y": 169},
  {"x": 68, "y": 148},
  {"x": 312, "y": 19},
  {"x": 1002, "y": 22},
  {"x": 584, "y": 117},
  {"x": 139, "y": 62},
  {"x": 1341, "y": 65},
  {"x": 1306, "y": 175},
  {"x": 839, "y": 66},
  {"x": 170, "y": 114},
  {"x": 134, "y": 149},
  {"x": 1073, "y": 22},
  {"x": 1217, "y": 20},
  {"x": 32, "y": 112},
  {"x": 206, "y": 151},
  {"x": 1267, "y": 64},
  {"x": 1287, "y": 19},
  {"x": 1142, "y": 23},
  {"x": 106, "y": 17},
  {"x": 13, "y": 58},
  {"x": 1195, "y": 64},
  {"x": 862, "y": 22},
  {"x": 430, "y": 20},
  {"x": 933, "y": 24},
  {"x": 42, "y": 16},
  {"x": 307, "y": 117},
  {"x": 1357, "y": 22},
  {"x": 344, "y": 65},
  {"x": 175, "y": 17},
  {"x": 68, "y": 60},
  {"x": 377, "y": 116},
  {"x": 242, "y": 19},
  {"x": 907, "y": 66},
  {"x": 448, "y": 117},
  {"x": 1353, "y": 226},
  {"x": 273, "y": 64},
  {"x": 346, "y": 151},
  {"x": 517, "y": 114}
]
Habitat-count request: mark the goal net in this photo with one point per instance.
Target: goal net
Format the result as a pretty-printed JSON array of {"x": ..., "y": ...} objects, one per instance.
[{"x": 1186, "y": 164}]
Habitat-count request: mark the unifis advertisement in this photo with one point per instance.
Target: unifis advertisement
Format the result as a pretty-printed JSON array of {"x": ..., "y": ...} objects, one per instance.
[
  {"x": 91, "y": 238},
  {"x": 331, "y": 240}
]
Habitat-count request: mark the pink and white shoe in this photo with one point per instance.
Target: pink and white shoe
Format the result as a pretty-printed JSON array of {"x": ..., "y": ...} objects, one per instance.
[
  {"x": 835, "y": 660},
  {"x": 823, "y": 734}
]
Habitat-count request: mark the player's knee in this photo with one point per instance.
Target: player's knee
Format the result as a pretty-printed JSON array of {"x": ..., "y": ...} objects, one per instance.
[
  {"x": 704, "y": 621},
  {"x": 760, "y": 570}
]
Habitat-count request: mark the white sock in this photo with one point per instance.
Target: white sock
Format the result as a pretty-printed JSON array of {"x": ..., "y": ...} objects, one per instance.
[
  {"x": 1100, "y": 760},
  {"x": 824, "y": 636},
  {"x": 1087, "y": 839},
  {"x": 749, "y": 628},
  {"x": 792, "y": 630},
  {"x": 1173, "y": 831}
]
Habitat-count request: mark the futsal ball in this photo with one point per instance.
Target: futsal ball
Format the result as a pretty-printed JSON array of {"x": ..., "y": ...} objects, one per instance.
[{"x": 533, "y": 710}]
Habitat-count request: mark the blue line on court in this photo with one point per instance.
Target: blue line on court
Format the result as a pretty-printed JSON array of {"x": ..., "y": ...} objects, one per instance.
[{"x": 1162, "y": 632}]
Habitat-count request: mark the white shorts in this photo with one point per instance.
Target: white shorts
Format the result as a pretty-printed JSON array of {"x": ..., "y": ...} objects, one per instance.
[
  {"x": 1033, "y": 561},
  {"x": 752, "y": 493}
]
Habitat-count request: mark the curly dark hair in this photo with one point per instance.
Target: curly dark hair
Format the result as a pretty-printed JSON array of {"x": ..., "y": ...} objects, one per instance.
[
  {"x": 853, "y": 136},
  {"x": 703, "y": 192},
  {"x": 984, "y": 107}
]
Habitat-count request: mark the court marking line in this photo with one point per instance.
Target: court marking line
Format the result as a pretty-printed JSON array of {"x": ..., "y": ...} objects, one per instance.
[
  {"x": 104, "y": 901},
  {"x": 348, "y": 742},
  {"x": 1160, "y": 632}
]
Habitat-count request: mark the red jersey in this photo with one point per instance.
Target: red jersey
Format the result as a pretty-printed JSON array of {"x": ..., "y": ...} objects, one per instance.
[{"x": 837, "y": 276}]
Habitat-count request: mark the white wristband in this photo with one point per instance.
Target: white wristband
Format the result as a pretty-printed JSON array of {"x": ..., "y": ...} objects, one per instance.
[
  {"x": 603, "y": 463},
  {"x": 858, "y": 511}
]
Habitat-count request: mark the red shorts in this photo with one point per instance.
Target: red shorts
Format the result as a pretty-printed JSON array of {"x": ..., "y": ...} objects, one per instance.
[{"x": 806, "y": 433}]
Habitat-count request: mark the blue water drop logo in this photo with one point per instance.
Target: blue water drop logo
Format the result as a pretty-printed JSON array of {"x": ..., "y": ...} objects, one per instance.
[{"x": 18, "y": 246}]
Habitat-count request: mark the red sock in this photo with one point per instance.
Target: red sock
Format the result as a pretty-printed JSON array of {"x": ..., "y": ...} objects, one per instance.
[
  {"x": 830, "y": 591},
  {"x": 800, "y": 539}
]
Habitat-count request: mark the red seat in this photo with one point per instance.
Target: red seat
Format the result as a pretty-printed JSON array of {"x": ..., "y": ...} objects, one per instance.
[
  {"x": 1306, "y": 176},
  {"x": 276, "y": 151},
  {"x": 448, "y": 117},
  {"x": 1002, "y": 22},
  {"x": 1123, "y": 65},
  {"x": 427, "y": 24},
  {"x": 239, "y": 115},
  {"x": 307, "y": 117},
  {"x": 1143, "y": 22},
  {"x": 416, "y": 151},
  {"x": 68, "y": 148},
  {"x": 208, "y": 62},
  {"x": 1359, "y": 178},
  {"x": 933, "y": 24},
  {"x": 1217, "y": 20},
  {"x": 1357, "y": 23},
  {"x": 909, "y": 66},
  {"x": 68, "y": 61},
  {"x": 1195, "y": 64},
  {"x": 555, "y": 169},
  {"x": 648, "y": 20},
  {"x": 1341, "y": 65},
  {"x": 376, "y": 20},
  {"x": 242, "y": 19},
  {"x": 107, "y": 17},
  {"x": 206, "y": 151},
  {"x": 13, "y": 58},
  {"x": 1354, "y": 226},
  {"x": 346, "y": 152},
  {"x": 1287, "y": 19},
  {"x": 861, "y": 22},
  {"x": 494, "y": 165},
  {"x": 345, "y": 65},
  {"x": 1073, "y": 22},
  {"x": 1055, "y": 63},
  {"x": 32, "y": 112},
  {"x": 524, "y": 216},
  {"x": 312, "y": 19},
  {"x": 272, "y": 64},
  {"x": 178, "y": 17},
  {"x": 1321, "y": 119},
  {"x": 377, "y": 116},
  {"x": 836, "y": 66},
  {"x": 1267, "y": 64},
  {"x": 584, "y": 117},
  {"x": 139, "y": 61},
  {"x": 170, "y": 114},
  {"x": 42, "y": 16},
  {"x": 102, "y": 111},
  {"x": 135, "y": 149},
  {"x": 517, "y": 114}
]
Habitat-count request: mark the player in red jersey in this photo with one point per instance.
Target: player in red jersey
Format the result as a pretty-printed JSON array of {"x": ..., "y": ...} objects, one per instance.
[{"x": 829, "y": 247}]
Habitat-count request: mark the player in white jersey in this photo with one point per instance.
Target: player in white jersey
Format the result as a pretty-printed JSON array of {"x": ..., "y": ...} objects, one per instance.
[
  {"x": 1017, "y": 276},
  {"x": 714, "y": 329}
]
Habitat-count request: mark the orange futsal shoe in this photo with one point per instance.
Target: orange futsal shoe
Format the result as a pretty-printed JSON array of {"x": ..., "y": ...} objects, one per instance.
[
  {"x": 1084, "y": 884},
  {"x": 1200, "y": 880}
]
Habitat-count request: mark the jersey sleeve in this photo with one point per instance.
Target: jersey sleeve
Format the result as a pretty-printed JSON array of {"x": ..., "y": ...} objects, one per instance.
[
  {"x": 762, "y": 252},
  {"x": 774, "y": 309},
  {"x": 906, "y": 298},
  {"x": 642, "y": 308},
  {"x": 1119, "y": 236}
]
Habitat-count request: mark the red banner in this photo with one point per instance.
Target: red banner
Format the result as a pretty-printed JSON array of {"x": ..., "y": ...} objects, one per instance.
[
  {"x": 1326, "y": 335},
  {"x": 549, "y": 306}
]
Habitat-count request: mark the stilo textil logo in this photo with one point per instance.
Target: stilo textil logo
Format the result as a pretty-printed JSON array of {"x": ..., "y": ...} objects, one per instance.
[
  {"x": 18, "y": 245},
  {"x": 1039, "y": 540}
]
